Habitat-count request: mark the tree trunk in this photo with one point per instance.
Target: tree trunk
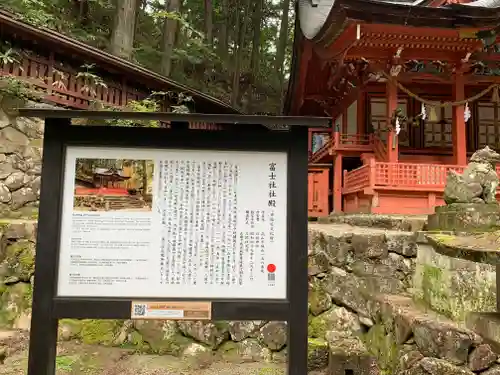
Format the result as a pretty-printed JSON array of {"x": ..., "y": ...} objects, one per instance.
[
  {"x": 223, "y": 40},
  {"x": 238, "y": 53},
  {"x": 209, "y": 16},
  {"x": 122, "y": 37},
  {"x": 282, "y": 41},
  {"x": 256, "y": 25},
  {"x": 170, "y": 28}
]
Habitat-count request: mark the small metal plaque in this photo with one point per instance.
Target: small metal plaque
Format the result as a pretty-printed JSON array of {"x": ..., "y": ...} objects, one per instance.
[{"x": 165, "y": 310}]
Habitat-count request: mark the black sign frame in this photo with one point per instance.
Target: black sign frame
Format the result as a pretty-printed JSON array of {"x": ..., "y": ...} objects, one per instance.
[{"x": 244, "y": 133}]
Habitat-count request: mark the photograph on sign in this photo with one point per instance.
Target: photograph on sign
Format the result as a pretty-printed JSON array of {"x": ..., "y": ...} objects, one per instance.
[
  {"x": 171, "y": 223},
  {"x": 126, "y": 184},
  {"x": 171, "y": 310}
]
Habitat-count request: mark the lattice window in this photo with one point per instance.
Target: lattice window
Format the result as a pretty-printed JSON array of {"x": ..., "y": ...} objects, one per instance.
[
  {"x": 439, "y": 133},
  {"x": 378, "y": 119},
  {"x": 488, "y": 125}
]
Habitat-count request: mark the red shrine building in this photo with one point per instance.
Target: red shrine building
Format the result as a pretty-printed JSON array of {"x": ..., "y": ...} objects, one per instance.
[{"x": 412, "y": 88}]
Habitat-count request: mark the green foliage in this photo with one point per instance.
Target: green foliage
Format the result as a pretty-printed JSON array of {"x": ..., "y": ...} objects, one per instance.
[
  {"x": 10, "y": 56},
  {"x": 197, "y": 62},
  {"x": 14, "y": 88},
  {"x": 91, "y": 81}
]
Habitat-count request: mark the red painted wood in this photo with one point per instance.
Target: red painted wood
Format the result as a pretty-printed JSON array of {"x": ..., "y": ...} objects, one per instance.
[
  {"x": 459, "y": 131},
  {"x": 318, "y": 190},
  {"x": 101, "y": 191}
]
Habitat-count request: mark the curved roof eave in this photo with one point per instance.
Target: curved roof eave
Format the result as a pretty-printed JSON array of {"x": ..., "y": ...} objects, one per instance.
[
  {"x": 410, "y": 14},
  {"x": 488, "y": 4}
]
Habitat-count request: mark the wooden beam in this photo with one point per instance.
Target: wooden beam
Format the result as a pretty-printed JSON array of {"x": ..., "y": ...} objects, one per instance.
[
  {"x": 422, "y": 33},
  {"x": 476, "y": 80},
  {"x": 392, "y": 138},
  {"x": 377, "y": 53},
  {"x": 305, "y": 58},
  {"x": 341, "y": 45},
  {"x": 459, "y": 125}
]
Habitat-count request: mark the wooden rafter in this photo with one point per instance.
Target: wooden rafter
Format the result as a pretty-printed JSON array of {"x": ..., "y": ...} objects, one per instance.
[{"x": 346, "y": 40}]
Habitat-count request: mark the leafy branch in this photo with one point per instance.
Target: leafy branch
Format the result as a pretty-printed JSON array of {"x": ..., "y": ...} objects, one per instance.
[{"x": 91, "y": 81}]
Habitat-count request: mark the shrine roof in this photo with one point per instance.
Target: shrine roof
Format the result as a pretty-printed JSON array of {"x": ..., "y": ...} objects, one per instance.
[
  {"x": 482, "y": 3},
  {"x": 110, "y": 172},
  {"x": 326, "y": 19},
  {"x": 331, "y": 27}
]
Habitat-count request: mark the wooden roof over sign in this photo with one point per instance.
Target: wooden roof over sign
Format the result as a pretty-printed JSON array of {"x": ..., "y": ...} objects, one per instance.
[{"x": 11, "y": 26}]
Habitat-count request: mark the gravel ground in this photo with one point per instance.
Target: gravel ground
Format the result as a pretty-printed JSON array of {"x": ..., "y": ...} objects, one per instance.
[{"x": 79, "y": 359}]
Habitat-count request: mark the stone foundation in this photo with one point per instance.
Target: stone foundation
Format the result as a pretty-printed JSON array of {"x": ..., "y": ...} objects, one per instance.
[
  {"x": 465, "y": 217},
  {"x": 453, "y": 286}
]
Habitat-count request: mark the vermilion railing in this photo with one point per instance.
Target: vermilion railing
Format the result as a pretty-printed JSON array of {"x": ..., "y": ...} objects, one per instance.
[
  {"x": 413, "y": 174},
  {"x": 379, "y": 149},
  {"x": 353, "y": 140},
  {"x": 357, "y": 179},
  {"x": 322, "y": 151},
  {"x": 399, "y": 176},
  {"x": 58, "y": 81},
  {"x": 339, "y": 141}
]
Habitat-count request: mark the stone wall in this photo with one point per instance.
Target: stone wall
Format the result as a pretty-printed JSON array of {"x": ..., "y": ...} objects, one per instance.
[
  {"x": 453, "y": 286},
  {"x": 20, "y": 165},
  {"x": 379, "y": 279}
]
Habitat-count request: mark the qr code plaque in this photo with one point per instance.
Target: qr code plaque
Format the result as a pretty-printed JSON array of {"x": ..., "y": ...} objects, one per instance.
[{"x": 140, "y": 310}]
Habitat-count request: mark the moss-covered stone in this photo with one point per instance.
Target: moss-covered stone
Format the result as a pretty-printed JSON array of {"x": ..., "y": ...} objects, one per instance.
[
  {"x": 383, "y": 346},
  {"x": 15, "y": 302},
  {"x": 317, "y": 353},
  {"x": 453, "y": 286},
  {"x": 319, "y": 300},
  {"x": 159, "y": 337},
  {"x": 336, "y": 319},
  {"x": 19, "y": 261},
  {"x": 70, "y": 329},
  {"x": 96, "y": 331}
]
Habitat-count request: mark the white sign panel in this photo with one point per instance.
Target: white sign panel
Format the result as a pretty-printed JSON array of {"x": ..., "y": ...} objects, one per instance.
[{"x": 173, "y": 224}]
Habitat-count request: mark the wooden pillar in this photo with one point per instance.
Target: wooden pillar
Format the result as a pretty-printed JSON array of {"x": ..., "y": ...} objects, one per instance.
[
  {"x": 309, "y": 142},
  {"x": 361, "y": 112},
  {"x": 459, "y": 126},
  {"x": 392, "y": 105},
  {"x": 345, "y": 123},
  {"x": 337, "y": 183}
]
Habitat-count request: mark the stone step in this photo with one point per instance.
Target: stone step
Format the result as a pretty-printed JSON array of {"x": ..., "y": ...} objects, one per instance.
[
  {"x": 348, "y": 355},
  {"x": 487, "y": 325},
  {"x": 336, "y": 240},
  {"x": 410, "y": 223},
  {"x": 425, "y": 342}
]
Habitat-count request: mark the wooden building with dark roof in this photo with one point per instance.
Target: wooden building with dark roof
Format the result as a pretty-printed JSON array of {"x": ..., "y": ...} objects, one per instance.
[{"x": 50, "y": 61}]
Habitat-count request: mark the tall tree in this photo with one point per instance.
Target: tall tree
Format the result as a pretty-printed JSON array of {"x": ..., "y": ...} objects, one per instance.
[
  {"x": 122, "y": 36},
  {"x": 209, "y": 23},
  {"x": 223, "y": 45},
  {"x": 241, "y": 27},
  {"x": 282, "y": 41},
  {"x": 256, "y": 26},
  {"x": 170, "y": 29}
]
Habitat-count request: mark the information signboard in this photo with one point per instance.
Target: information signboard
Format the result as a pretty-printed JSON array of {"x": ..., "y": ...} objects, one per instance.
[
  {"x": 184, "y": 224},
  {"x": 215, "y": 226}
]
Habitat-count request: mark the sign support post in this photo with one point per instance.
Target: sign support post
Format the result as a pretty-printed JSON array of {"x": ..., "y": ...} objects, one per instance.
[{"x": 183, "y": 224}]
